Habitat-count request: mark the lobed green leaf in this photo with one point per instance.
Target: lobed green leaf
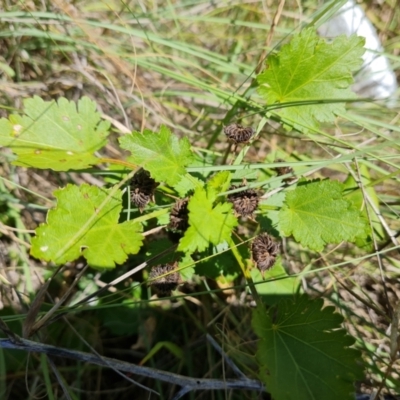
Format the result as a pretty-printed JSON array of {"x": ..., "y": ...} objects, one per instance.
[
  {"x": 218, "y": 183},
  {"x": 309, "y": 70},
  {"x": 317, "y": 213},
  {"x": 59, "y": 135},
  {"x": 356, "y": 196},
  {"x": 85, "y": 223},
  {"x": 162, "y": 154},
  {"x": 208, "y": 223},
  {"x": 303, "y": 353}
]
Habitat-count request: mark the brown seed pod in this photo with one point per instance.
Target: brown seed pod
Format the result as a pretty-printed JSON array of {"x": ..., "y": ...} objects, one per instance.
[
  {"x": 244, "y": 202},
  {"x": 164, "y": 278},
  {"x": 238, "y": 133},
  {"x": 142, "y": 188},
  {"x": 140, "y": 199},
  {"x": 284, "y": 170},
  {"x": 179, "y": 217},
  {"x": 264, "y": 251}
]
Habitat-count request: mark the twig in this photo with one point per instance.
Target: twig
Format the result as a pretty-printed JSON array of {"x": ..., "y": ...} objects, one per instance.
[
  {"x": 271, "y": 32},
  {"x": 122, "y": 128},
  {"x": 125, "y": 376},
  {"x": 188, "y": 384}
]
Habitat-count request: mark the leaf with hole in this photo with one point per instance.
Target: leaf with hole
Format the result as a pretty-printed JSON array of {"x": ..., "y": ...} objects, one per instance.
[{"x": 59, "y": 135}]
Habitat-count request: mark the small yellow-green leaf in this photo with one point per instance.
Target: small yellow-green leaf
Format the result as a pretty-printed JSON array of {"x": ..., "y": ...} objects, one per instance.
[
  {"x": 218, "y": 183},
  {"x": 208, "y": 224},
  {"x": 162, "y": 154}
]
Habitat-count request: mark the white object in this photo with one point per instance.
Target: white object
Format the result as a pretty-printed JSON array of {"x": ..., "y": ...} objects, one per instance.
[{"x": 376, "y": 78}]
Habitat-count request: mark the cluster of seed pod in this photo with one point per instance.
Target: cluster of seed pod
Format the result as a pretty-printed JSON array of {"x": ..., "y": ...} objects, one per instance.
[
  {"x": 264, "y": 251},
  {"x": 284, "y": 170},
  {"x": 238, "y": 134},
  {"x": 164, "y": 278},
  {"x": 244, "y": 202},
  {"x": 142, "y": 188},
  {"x": 178, "y": 220},
  {"x": 179, "y": 216}
]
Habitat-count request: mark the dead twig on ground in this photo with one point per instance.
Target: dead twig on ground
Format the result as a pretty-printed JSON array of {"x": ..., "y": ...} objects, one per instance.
[{"x": 186, "y": 383}]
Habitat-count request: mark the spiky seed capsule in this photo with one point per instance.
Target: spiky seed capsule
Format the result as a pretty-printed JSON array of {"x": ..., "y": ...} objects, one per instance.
[
  {"x": 140, "y": 199},
  {"x": 244, "y": 202},
  {"x": 264, "y": 251},
  {"x": 284, "y": 170},
  {"x": 179, "y": 217},
  {"x": 238, "y": 133},
  {"x": 164, "y": 278},
  {"x": 142, "y": 188}
]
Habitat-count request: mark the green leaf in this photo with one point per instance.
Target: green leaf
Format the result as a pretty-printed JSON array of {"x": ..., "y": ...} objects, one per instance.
[
  {"x": 220, "y": 264},
  {"x": 303, "y": 355},
  {"x": 186, "y": 267},
  {"x": 60, "y": 136},
  {"x": 85, "y": 223},
  {"x": 309, "y": 69},
  {"x": 208, "y": 224},
  {"x": 275, "y": 284},
  {"x": 218, "y": 183},
  {"x": 317, "y": 213},
  {"x": 162, "y": 154},
  {"x": 155, "y": 247},
  {"x": 355, "y": 195},
  {"x": 269, "y": 213},
  {"x": 186, "y": 184}
]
